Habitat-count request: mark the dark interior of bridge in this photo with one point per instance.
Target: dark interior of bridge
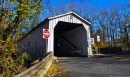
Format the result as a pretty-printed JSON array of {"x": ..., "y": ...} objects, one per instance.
[{"x": 67, "y": 39}]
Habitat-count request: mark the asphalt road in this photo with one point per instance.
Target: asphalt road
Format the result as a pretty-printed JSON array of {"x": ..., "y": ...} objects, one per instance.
[{"x": 95, "y": 67}]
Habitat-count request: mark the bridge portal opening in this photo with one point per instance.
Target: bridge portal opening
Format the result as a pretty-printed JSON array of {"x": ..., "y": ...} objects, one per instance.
[{"x": 70, "y": 40}]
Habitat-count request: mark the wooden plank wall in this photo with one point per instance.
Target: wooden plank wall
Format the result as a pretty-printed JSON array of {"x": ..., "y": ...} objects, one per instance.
[{"x": 33, "y": 43}]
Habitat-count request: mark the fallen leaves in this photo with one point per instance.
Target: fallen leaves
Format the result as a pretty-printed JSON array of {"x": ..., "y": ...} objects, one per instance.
[{"x": 56, "y": 70}]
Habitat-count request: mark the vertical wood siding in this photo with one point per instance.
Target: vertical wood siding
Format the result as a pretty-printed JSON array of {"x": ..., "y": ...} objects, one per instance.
[{"x": 37, "y": 46}]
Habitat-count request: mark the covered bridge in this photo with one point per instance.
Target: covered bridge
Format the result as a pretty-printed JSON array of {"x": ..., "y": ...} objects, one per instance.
[{"x": 69, "y": 36}]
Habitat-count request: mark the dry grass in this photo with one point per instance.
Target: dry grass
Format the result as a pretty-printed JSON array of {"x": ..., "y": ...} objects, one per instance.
[
  {"x": 119, "y": 58},
  {"x": 111, "y": 57},
  {"x": 56, "y": 70},
  {"x": 98, "y": 55}
]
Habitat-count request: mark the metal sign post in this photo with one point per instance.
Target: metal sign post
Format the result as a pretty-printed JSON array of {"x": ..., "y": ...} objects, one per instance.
[
  {"x": 98, "y": 48},
  {"x": 46, "y": 46},
  {"x": 98, "y": 40}
]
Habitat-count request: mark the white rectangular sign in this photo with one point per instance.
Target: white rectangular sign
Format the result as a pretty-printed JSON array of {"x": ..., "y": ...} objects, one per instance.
[
  {"x": 98, "y": 38},
  {"x": 91, "y": 40}
]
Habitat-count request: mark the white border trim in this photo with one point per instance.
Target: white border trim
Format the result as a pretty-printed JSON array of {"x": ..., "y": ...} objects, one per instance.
[{"x": 67, "y": 14}]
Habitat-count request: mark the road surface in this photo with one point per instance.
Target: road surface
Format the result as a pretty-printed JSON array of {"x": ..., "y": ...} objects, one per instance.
[{"x": 94, "y": 67}]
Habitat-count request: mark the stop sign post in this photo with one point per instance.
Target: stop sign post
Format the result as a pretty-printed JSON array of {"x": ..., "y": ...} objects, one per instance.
[{"x": 46, "y": 35}]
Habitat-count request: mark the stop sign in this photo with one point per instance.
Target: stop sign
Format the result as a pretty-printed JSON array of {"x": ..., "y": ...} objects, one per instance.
[{"x": 46, "y": 33}]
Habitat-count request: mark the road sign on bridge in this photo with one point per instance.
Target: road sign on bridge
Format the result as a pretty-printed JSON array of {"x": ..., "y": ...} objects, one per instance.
[{"x": 46, "y": 33}]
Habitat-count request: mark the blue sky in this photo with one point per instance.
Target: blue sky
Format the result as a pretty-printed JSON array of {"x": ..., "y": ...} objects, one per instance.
[
  {"x": 105, "y": 3},
  {"x": 94, "y": 3}
]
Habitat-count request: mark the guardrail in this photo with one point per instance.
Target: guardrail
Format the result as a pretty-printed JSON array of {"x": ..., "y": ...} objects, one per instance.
[{"x": 38, "y": 70}]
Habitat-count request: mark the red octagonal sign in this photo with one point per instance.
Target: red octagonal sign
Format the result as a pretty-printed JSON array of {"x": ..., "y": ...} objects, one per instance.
[{"x": 46, "y": 33}]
